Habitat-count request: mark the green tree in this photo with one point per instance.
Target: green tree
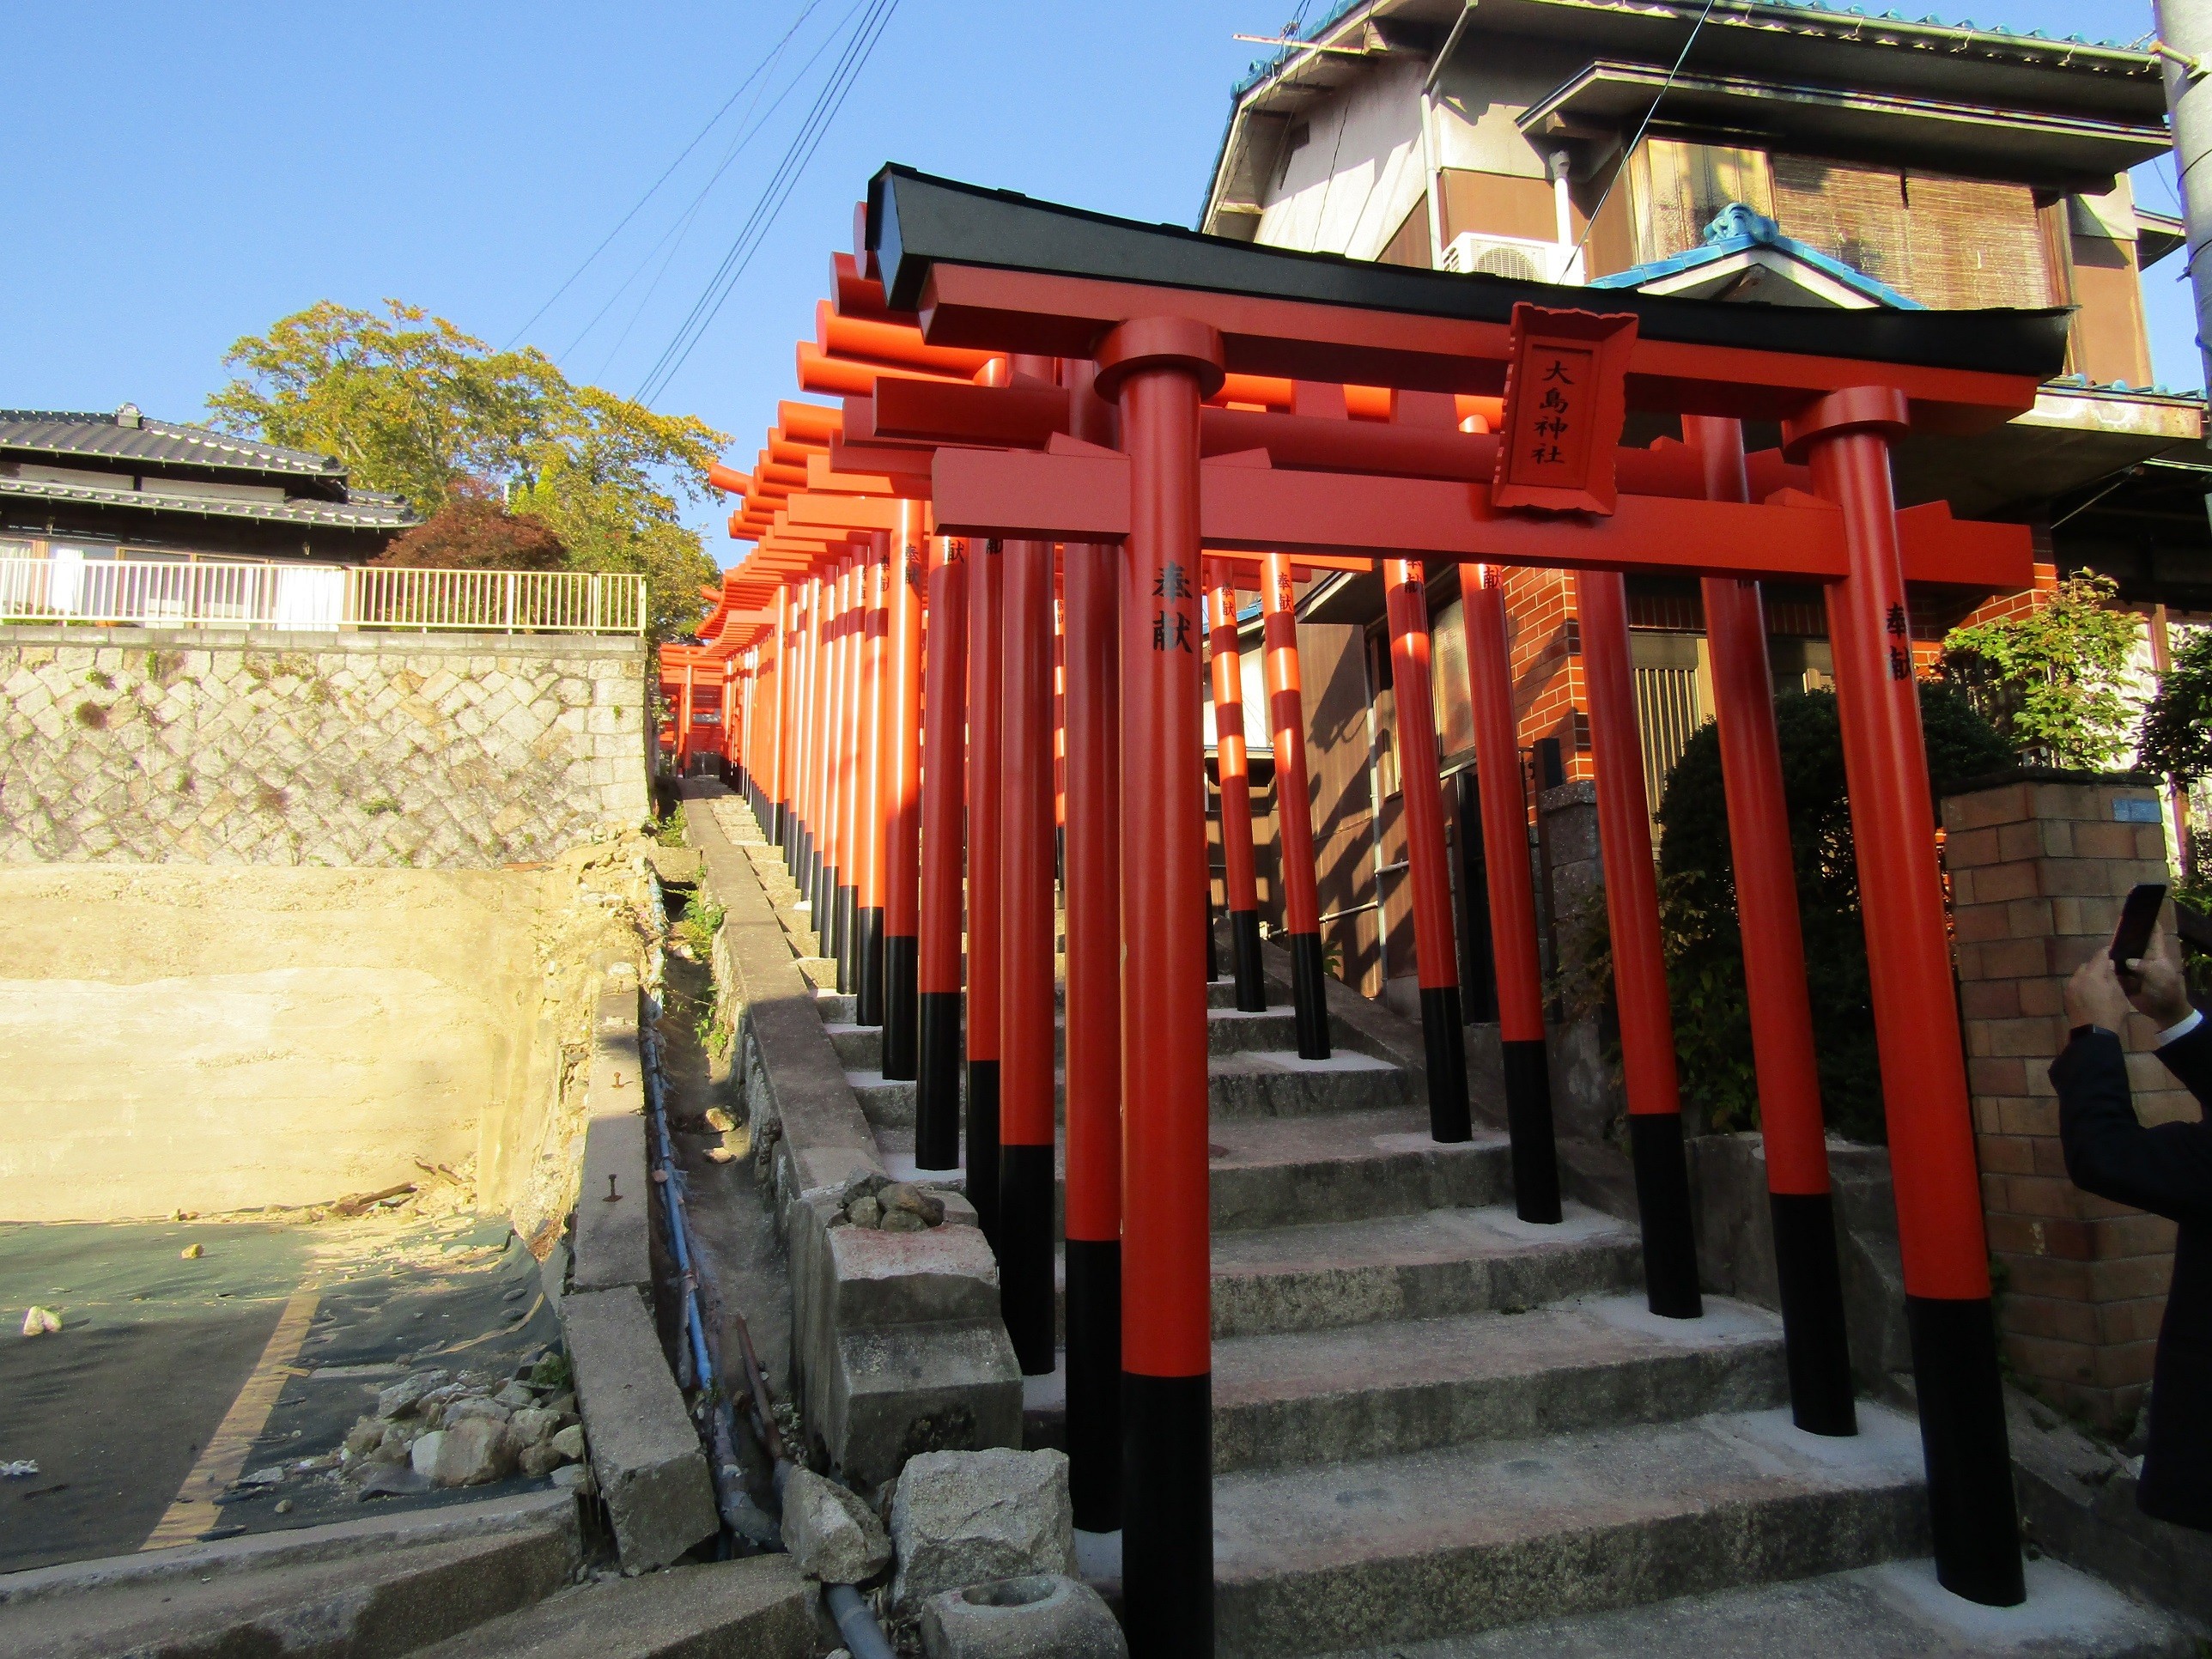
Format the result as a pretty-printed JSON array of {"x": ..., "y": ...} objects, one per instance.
[
  {"x": 413, "y": 405},
  {"x": 1705, "y": 941},
  {"x": 2175, "y": 737},
  {"x": 2053, "y": 680}
]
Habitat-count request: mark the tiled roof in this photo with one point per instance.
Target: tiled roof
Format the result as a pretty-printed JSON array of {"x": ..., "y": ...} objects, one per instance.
[
  {"x": 1736, "y": 228},
  {"x": 364, "y": 511},
  {"x": 129, "y": 436}
]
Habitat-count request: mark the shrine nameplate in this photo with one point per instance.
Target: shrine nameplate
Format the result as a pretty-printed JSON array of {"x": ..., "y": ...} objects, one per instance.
[{"x": 1565, "y": 403}]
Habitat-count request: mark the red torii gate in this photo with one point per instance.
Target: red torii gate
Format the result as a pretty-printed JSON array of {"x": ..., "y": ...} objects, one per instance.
[{"x": 1166, "y": 316}]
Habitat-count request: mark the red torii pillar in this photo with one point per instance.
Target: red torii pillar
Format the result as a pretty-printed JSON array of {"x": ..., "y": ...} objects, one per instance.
[
  {"x": 1026, "y": 1037},
  {"x": 873, "y": 777},
  {"x": 1504, "y": 810},
  {"x": 985, "y": 711},
  {"x": 901, "y": 763},
  {"x": 1158, "y": 369},
  {"x": 1092, "y": 896},
  {"x": 1233, "y": 768},
  {"x": 814, "y": 754},
  {"x": 1293, "y": 808},
  {"x": 1846, "y": 436},
  {"x": 1443, "y": 1039},
  {"x": 1800, "y": 1207},
  {"x": 1639, "y": 966},
  {"x": 844, "y": 731},
  {"x": 944, "y": 790}
]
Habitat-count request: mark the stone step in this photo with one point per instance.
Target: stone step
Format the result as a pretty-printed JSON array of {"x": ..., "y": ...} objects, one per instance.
[
  {"x": 836, "y": 1008},
  {"x": 386, "y": 1584},
  {"x": 1232, "y": 1031},
  {"x": 1276, "y": 1083},
  {"x": 860, "y": 1048},
  {"x": 1894, "y": 1611},
  {"x": 1390, "y": 1389},
  {"x": 1437, "y": 1264},
  {"x": 1395, "y": 1550},
  {"x": 820, "y": 972},
  {"x": 886, "y": 1105},
  {"x": 761, "y": 1606},
  {"x": 1331, "y": 1167}
]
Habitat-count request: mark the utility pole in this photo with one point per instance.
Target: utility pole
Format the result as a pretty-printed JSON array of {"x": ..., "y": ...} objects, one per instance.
[{"x": 2185, "y": 45}]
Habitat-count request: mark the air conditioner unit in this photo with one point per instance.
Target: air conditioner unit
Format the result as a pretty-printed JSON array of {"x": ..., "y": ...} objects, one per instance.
[{"x": 1520, "y": 259}]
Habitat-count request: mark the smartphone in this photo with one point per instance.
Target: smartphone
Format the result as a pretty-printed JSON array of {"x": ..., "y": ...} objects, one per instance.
[{"x": 2137, "y": 918}]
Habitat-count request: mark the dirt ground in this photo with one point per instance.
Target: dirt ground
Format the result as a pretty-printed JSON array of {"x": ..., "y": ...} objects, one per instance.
[{"x": 172, "y": 1378}]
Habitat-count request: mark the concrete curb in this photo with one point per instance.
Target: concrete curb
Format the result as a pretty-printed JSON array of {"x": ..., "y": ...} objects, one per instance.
[
  {"x": 553, "y": 1512},
  {"x": 645, "y": 1457},
  {"x": 897, "y": 1345},
  {"x": 613, "y": 1238}
]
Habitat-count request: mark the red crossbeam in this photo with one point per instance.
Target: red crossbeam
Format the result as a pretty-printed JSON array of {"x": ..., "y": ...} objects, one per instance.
[{"x": 1086, "y": 498}]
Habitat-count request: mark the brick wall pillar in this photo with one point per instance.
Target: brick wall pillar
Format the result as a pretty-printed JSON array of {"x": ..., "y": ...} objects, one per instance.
[{"x": 2039, "y": 868}]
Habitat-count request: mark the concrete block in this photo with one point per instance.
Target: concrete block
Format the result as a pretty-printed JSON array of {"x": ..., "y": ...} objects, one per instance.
[
  {"x": 963, "y": 1518},
  {"x": 614, "y": 1208},
  {"x": 887, "y": 1394},
  {"x": 1044, "y": 1616},
  {"x": 762, "y": 1607},
  {"x": 646, "y": 1456}
]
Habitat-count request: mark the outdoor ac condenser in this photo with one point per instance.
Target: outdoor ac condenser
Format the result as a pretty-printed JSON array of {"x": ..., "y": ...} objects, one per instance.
[{"x": 1520, "y": 257}]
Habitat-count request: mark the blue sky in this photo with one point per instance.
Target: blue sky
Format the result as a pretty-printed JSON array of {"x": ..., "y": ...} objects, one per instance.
[{"x": 181, "y": 176}]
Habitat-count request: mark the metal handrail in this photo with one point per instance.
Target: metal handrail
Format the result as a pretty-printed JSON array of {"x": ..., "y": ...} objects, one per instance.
[{"x": 216, "y": 593}]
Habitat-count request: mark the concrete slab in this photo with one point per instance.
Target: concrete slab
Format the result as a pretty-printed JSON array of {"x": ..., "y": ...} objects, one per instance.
[
  {"x": 1347, "y": 1166},
  {"x": 364, "y": 1586},
  {"x": 614, "y": 1208},
  {"x": 761, "y": 1609},
  {"x": 1438, "y": 1263},
  {"x": 1384, "y": 1389},
  {"x": 645, "y": 1455},
  {"x": 1472, "y": 1538},
  {"x": 1895, "y": 1611}
]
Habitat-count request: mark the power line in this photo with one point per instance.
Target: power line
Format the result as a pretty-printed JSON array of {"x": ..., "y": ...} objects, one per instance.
[
  {"x": 774, "y": 52},
  {"x": 804, "y": 144},
  {"x": 680, "y": 226},
  {"x": 1590, "y": 224}
]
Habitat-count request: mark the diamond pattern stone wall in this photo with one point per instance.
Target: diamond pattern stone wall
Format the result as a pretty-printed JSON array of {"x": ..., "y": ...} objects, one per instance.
[{"x": 466, "y": 751}]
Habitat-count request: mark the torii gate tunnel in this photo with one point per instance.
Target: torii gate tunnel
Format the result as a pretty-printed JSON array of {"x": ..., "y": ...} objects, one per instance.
[{"x": 1162, "y": 420}]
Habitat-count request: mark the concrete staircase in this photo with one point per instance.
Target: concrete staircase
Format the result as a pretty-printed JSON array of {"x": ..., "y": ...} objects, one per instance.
[{"x": 1441, "y": 1429}]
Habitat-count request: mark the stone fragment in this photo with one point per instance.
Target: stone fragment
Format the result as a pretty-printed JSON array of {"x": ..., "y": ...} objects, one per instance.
[
  {"x": 473, "y": 1452},
  {"x": 569, "y": 1442},
  {"x": 968, "y": 1517},
  {"x": 864, "y": 1213},
  {"x": 392, "y": 1480},
  {"x": 538, "y": 1461},
  {"x": 41, "y": 1322},
  {"x": 364, "y": 1436},
  {"x": 903, "y": 1221},
  {"x": 532, "y": 1425},
  {"x": 514, "y": 1397},
  {"x": 422, "y": 1456},
  {"x": 915, "y": 1200},
  {"x": 1043, "y": 1616},
  {"x": 475, "y": 1406},
  {"x": 405, "y": 1394},
  {"x": 573, "y": 1477},
  {"x": 192, "y": 1252},
  {"x": 720, "y": 1121},
  {"x": 831, "y": 1534}
]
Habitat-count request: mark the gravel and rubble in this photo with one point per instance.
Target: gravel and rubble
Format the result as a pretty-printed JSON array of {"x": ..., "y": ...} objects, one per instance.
[{"x": 465, "y": 1430}]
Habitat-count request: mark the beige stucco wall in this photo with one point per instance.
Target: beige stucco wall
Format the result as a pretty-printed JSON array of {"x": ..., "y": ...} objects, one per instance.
[{"x": 173, "y": 1037}]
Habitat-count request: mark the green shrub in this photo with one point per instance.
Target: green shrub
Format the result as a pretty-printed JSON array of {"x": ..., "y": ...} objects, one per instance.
[{"x": 1704, "y": 944}]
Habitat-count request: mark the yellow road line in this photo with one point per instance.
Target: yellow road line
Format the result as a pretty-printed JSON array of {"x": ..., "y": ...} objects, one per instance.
[{"x": 193, "y": 1510}]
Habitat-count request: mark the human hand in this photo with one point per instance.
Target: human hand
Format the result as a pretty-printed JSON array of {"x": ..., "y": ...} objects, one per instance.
[
  {"x": 2162, "y": 992},
  {"x": 2094, "y": 995}
]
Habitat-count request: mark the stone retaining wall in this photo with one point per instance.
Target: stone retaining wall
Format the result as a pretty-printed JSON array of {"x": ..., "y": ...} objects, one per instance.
[{"x": 212, "y": 746}]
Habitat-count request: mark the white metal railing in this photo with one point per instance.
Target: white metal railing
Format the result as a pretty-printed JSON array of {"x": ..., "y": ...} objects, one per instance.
[{"x": 68, "y": 587}]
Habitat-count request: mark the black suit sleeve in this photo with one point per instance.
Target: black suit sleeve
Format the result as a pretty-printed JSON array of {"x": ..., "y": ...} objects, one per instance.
[
  {"x": 2166, "y": 1170},
  {"x": 2190, "y": 1059}
]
